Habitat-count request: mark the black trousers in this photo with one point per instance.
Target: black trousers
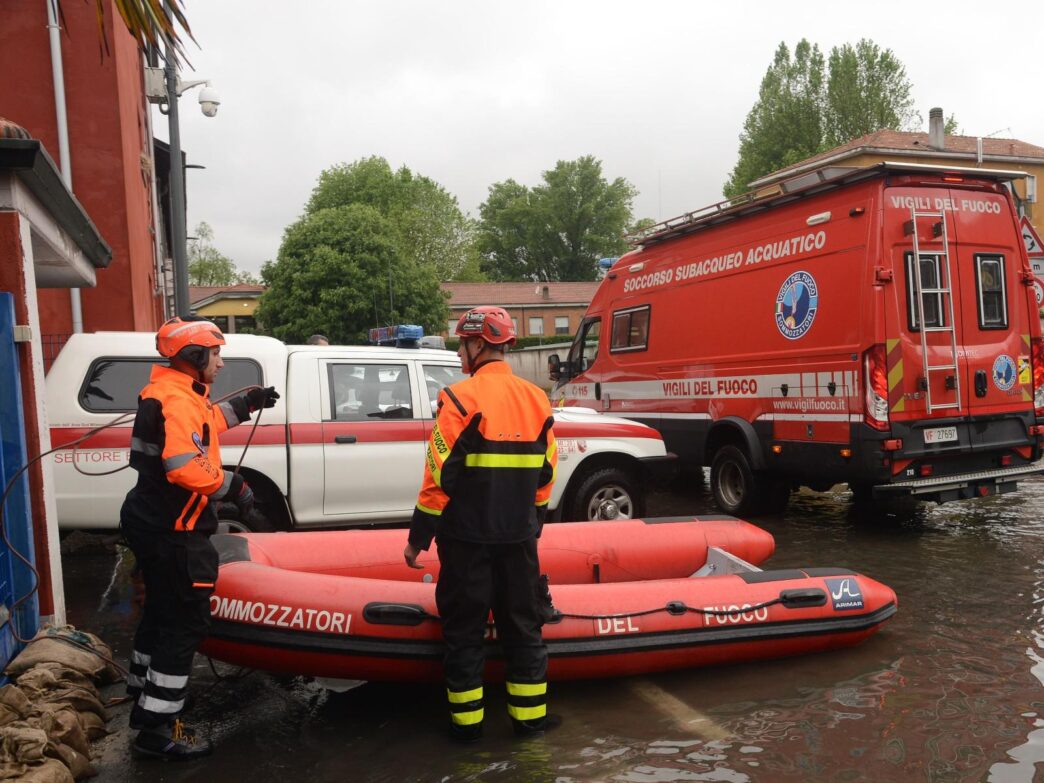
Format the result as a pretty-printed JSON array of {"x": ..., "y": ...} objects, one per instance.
[
  {"x": 179, "y": 570},
  {"x": 475, "y": 578}
]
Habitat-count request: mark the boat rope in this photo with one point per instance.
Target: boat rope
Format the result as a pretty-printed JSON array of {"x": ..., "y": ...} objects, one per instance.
[{"x": 671, "y": 607}]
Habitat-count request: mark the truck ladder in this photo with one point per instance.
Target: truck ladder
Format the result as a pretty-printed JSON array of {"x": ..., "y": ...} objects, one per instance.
[{"x": 945, "y": 291}]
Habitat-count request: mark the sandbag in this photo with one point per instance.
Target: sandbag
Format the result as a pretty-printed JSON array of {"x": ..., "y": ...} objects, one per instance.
[
  {"x": 42, "y": 686},
  {"x": 66, "y": 727},
  {"x": 79, "y": 764},
  {"x": 47, "y": 771},
  {"x": 14, "y": 704},
  {"x": 48, "y": 647},
  {"x": 93, "y": 726}
]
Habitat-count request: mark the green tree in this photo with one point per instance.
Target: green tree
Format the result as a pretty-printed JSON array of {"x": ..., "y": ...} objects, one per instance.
[
  {"x": 209, "y": 266},
  {"x": 867, "y": 90},
  {"x": 806, "y": 106},
  {"x": 339, "y": 272},
  {"x": 557, "y": 230},
  {"x": 785, "y": 124},
  {"x": 426, "y": 221}
]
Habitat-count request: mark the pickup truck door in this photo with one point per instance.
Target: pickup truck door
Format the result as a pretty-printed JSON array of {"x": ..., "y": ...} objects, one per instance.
[{"x": 373, "y": 439}]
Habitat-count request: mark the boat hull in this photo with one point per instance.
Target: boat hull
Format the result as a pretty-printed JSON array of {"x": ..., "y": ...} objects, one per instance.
[{"x": 330, "y": 624}]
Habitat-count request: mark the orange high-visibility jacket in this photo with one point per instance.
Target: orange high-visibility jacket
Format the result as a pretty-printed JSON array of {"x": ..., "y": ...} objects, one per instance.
[
  {"x": 174, "y": 448},
  {"x": 491, "y": 461}
]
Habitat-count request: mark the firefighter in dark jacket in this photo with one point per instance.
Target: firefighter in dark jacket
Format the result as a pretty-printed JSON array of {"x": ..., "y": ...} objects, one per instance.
[
  {"x": 490, "y": 466},
  {"x": 168, "y": 518}
]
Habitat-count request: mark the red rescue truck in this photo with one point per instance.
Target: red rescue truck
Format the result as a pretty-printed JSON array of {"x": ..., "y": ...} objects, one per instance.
[{"x": 875, "y": 326}]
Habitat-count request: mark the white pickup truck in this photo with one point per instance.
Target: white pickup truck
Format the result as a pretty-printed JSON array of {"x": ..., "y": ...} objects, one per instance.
[{"x": 343, "y": 446}]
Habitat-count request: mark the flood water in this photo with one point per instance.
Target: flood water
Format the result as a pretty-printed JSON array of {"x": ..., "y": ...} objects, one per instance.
[{"x": 951, "y": 689}]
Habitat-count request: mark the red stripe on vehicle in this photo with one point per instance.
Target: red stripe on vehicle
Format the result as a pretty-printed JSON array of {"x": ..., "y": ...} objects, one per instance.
[{"x": 568, "y": 429}]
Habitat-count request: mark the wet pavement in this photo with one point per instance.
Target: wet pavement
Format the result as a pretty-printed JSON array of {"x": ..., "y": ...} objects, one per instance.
[{"x": 952, "y": 689}]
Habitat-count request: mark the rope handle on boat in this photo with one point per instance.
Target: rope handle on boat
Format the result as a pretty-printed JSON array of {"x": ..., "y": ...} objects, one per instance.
[
  {"x": 676, "y": 608},
  {"x": 380, "y": 613},
  {"x": 794, "y": 598}
]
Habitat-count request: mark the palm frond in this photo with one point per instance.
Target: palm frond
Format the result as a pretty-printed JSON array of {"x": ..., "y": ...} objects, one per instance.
[{"x": 153, "y": 23}]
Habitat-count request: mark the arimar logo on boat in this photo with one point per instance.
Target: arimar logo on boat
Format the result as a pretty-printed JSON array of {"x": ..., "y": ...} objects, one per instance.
[{"x": 845, "y": 593}]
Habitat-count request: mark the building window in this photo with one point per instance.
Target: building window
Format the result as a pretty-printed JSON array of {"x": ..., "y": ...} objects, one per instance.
[
  {"x": 514, "y": 323},
  {"x": 930, "y": 272},
  {"x": 561, "y": 324},
  {"x": 630, "y": 330},
  {"x": 245, "y": 324},
  {"x": 451, "y": 325},
  {"x": 993, "y": 302},
  {"x": 536, "y": 326},
  {"x": 220, "y": 321}
]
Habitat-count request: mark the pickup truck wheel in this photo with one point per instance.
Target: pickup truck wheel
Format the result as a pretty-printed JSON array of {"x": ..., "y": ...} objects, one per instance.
[
  {"x": 258, "y": 522},
  {"x": 604, "y": 493},
  {"x": 733, "y": 482}
]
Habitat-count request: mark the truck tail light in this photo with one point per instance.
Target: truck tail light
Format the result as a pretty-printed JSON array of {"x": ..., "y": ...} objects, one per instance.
[
  {"x": 1037, "y": 354},
  {"x": 876, "y": 372}
]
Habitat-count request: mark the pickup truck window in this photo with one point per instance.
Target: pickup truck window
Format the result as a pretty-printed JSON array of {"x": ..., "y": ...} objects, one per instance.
[
  {"x": 438, "y": 375},
  {"x": 112, "y": 384},
  {"x": 363, "y": 392}
]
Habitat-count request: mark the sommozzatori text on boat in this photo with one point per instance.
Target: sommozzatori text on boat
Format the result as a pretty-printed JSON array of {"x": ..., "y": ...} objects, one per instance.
[{"x": 629, "y": 597}]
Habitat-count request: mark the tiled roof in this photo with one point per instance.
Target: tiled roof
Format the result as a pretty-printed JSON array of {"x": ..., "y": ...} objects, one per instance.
[
  {"x": 197, "y": 293},
  {"x": 507, "y": 294},
  {"x": 907, "y": 142}
]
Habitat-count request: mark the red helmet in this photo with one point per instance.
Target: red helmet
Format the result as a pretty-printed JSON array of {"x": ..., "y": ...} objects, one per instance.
[
  {"x": 492, "y": 324},
  {"x": 178, "y": 333}
]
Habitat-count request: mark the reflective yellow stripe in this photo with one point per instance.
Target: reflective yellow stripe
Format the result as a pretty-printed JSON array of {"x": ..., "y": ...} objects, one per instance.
[
  {"x": 526, "y": 713},
  {"x": 440, "y": 443},
  {"x": 526, "y": 688},
  {"x": 467, "y": 718},
  {"x": 504, "y": 460},
  {"x": 436, "y": 471},
  {"x": 463, "y": 697},
  {"x": 435, "y": 512},
  {"x": 551, "y": 450},
  {"x": 540, "y": 503}
]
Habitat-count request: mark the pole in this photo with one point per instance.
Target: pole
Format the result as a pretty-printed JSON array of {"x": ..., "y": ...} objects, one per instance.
[
  {"x": 58, "y": 77},
  {"x": 177, "y": 190}
]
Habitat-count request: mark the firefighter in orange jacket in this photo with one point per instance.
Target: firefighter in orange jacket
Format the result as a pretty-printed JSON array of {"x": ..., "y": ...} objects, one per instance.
[
  {"x": 490, "y": 465},
  {"x": 168, "y": 518}
]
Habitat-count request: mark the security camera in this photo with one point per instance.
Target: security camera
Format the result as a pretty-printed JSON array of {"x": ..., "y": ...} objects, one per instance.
[{"x": 209, "y": 101}]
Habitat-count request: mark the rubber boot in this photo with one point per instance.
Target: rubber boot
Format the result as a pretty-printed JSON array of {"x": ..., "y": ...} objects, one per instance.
[
  {"x": 536, "y": 728},
  {"x": 173, "y": 742}
]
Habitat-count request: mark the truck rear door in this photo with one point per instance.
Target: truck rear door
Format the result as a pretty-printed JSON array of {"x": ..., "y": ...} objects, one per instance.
[
  {"x": 953, "y": 349},
  {"x": 993, "y": 318}
]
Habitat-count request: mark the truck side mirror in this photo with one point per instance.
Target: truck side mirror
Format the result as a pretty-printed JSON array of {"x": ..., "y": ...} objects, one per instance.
[{"x": 554, "y": 366}]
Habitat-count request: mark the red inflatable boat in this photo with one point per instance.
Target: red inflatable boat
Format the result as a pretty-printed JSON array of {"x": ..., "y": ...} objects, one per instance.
[{"x": 631, "y": 596}]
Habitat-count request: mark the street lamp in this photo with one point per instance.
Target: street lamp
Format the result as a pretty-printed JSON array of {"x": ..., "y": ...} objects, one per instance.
[{"x": 162, "y": 86}]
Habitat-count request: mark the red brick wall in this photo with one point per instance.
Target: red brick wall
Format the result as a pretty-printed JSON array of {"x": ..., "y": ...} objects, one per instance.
[{"x": 107, "y": 138}]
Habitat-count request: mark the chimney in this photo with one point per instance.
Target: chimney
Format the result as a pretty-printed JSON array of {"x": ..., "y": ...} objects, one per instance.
[
  {"x": 546, "y": 292},
  {"x": 936, "y": 137}
]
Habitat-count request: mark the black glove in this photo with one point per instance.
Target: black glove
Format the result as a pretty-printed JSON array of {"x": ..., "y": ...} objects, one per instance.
[
  {"x": 258, "y": 398},
  {"x": 244, "y": 501}
]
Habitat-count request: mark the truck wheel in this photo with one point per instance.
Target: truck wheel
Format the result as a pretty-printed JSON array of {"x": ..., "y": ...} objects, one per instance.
[
  {"x": 733, "y": 482},
  {"x": 604, "y": 493},
  {"x": 259, "y": 521}
]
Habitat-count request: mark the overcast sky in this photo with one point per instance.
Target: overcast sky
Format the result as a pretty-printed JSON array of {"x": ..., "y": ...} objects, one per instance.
[{"x": 472, "y": 93}]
